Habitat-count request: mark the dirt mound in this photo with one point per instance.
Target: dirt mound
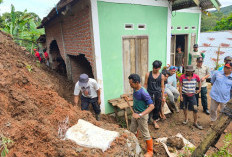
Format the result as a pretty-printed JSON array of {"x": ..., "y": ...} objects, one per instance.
[
  {"x": 31, "y": 108},
  {"x": 175, "y": 142}
]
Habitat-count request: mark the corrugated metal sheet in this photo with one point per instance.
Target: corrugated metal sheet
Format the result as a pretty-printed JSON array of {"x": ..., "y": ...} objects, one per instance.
[{"x": 209, "y": 44}]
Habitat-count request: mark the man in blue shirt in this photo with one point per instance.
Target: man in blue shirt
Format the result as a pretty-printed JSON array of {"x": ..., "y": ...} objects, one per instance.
[
  {"x": 227, "y": 59},
  {"x": 142, "y": 106},
  {"x": 170, "y": 88},
  {"x": 220, "y": 92}
]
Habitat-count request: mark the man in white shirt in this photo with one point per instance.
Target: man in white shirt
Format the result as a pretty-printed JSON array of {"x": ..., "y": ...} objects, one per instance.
[{"x": 91, "y": 94}]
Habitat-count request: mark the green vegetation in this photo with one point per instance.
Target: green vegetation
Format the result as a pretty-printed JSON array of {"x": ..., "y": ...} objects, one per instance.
[
  {"x": 224, "y": 150},
  {"x": 4, "y": 143},
  {"x": 217, "y": 21},
  {"x": 22, "y": 27}
]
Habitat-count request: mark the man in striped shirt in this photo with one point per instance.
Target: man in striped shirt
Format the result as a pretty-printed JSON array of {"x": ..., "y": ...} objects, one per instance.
[{"x": 188, "y": 83}]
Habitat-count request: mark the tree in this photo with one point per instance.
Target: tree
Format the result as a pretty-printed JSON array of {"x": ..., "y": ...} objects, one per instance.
[
  {"x": 22, "y": 26},
  {"x": 208, "y": 22},
  {"x": 224, "y": 23}
]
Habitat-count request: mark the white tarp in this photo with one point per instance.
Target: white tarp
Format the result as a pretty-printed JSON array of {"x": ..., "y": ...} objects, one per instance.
[
  {"x": 88, "y": 135},
  {"x": 187, "y": 144}
]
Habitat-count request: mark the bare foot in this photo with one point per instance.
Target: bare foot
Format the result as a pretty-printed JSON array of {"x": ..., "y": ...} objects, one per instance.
[{"x": 156, "y": 125}]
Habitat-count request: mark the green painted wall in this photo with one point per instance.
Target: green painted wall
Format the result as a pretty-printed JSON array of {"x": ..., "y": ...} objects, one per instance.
[
  {"x": 112, "y": 18},
  {"x": 185, "y": 19}
]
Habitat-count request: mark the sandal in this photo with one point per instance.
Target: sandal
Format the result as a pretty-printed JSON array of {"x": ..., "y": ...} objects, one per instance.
[
  {"x": 156, "y": 126},
  {"x": 185, "y": 122},
  {"x": 198, "y": 126}
]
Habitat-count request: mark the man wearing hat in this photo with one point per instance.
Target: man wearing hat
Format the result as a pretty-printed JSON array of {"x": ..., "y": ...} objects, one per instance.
[
  {"x": 90, "y": 94},
  {"x": 179, "y": 59},
  {"x": 220, "y": 92},
  {"x": 227, "y": 59},
  {"x": 188, "y": 82},
  {"x": 195, "y": 54},
  {"x": 203, "y": 72}
]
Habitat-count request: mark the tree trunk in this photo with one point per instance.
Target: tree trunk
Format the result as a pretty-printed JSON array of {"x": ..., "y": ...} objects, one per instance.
[
  {"x": 214, "y": 133},
  {"x": 32, "y": 47}
]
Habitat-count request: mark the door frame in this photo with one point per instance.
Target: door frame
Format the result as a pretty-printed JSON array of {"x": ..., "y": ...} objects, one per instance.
[
  {"x": 186, "y": 46},
  {"x": 134, "y": 37}
]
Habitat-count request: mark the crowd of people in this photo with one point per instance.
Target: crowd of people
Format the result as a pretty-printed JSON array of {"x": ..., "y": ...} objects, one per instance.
[
  {"x": 182, "y": 93},
  {"x": 42, "y": 57}
]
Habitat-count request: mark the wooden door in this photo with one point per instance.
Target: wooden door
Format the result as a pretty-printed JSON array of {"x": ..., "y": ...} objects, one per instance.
[
  {"x": 173, "y": 50},
  {"x": 135, "y": 59}
]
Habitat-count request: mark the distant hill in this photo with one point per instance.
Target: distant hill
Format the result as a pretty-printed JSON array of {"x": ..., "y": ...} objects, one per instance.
[{"x": 225, "y": 10}]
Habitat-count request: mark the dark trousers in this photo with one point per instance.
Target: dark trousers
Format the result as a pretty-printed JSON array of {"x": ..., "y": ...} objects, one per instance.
[
  {"x": 85, "y": 104},
  {"x": 203, "y": 98},
  {"x": 155, "y": 113}
]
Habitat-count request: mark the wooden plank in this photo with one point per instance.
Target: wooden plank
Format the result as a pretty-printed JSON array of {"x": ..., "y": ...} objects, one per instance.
[
  {"x": 137, "y": 55},
  {"x": 186, "y": 51},
  {"x": 124, "y": 105},
  {"x": 143, "y": 59},
  {"x": 197, "y": 2},
  {"x": 126, "y": 64},
  {"x": 173, "y": 43},
  {"x": 132, "y": 55},
  {"x": 125, "y": 113},
  {"x": 214, "y": 133}
]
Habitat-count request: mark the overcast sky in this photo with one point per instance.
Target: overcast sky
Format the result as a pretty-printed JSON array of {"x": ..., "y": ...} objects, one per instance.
[{"x": 42, "y": 7}]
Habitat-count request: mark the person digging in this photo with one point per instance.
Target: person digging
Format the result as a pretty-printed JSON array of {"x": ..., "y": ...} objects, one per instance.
[
  {"x": 91, "y": 94},
  {"x": 142, "y": 106},
  {"x": 188, "y": 82}
]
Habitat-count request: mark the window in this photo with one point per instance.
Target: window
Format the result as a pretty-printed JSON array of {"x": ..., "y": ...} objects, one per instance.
[
  {"x": 178, "y": 28},
  {"x": 129, "y": 26},
  {"x": 141, "y": 27},
  {"x": 193, "y": 28},
  {"x": 186, "y": 28}
]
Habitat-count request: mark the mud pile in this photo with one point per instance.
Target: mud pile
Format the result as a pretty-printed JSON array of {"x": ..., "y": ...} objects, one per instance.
[{"x": 31, "y": 108}]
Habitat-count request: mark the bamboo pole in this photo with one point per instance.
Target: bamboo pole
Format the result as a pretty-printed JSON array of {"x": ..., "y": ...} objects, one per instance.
[
  {"x": 218, "y": 53},
  {"x": 214, "y": 133}
]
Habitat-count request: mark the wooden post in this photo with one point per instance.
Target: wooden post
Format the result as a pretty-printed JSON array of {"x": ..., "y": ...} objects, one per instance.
[
  {"x": 214, "y": 133},
  {"x": 218, "y": 53}
]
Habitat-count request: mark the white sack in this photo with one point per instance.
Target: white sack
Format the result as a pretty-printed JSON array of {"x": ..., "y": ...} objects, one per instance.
[{"x": 88, "y": 135}]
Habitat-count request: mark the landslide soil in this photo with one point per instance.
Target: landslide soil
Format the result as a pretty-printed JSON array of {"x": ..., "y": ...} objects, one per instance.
[{"x": 33, "y": 103}]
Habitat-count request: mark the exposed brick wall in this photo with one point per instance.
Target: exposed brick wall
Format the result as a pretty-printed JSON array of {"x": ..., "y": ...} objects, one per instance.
[
  {"x": 80, "y": 65},
  {"x": 77, "y": 35}
]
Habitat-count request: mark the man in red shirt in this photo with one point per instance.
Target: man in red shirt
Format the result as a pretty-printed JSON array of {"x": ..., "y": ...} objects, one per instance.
[
  {"x": 188, "y": 82},
  {"x": 37, "y": 55},
  {"x": 46, "y": 57}
]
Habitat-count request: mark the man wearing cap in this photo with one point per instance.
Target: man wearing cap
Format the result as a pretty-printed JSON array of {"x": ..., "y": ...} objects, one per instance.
[
  {"x": 220, "y": 92},
  {"x": 203, "y": 72},
  {"x": 188, "y": 82},
  {"x": 195, "y": 54},
  {"x": 179, "y": 59},
  {"x": 90, "y": 94},
  {"x": 227, "y": 59},
  {"x": 170, "y": 88}
]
